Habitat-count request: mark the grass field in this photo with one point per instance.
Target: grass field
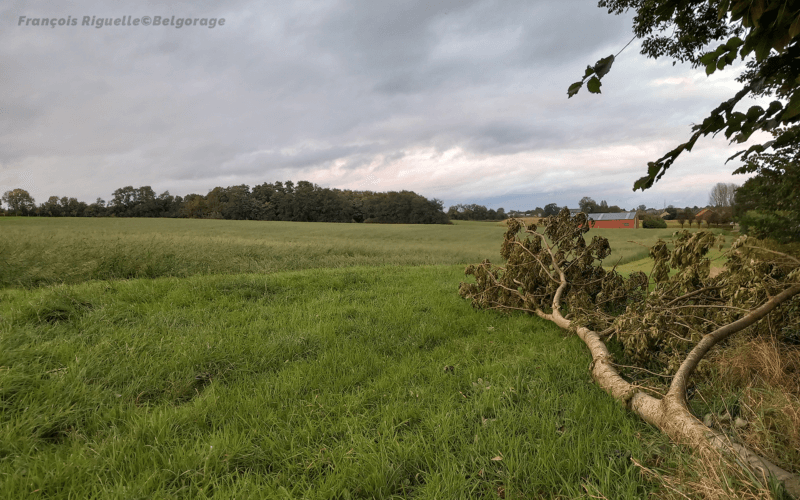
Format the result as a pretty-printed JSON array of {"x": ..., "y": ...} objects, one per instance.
[
  {"x": 36, "y": 251},
  {"x": 40, "y": 251},
  {"x": 235, "y": 359}
]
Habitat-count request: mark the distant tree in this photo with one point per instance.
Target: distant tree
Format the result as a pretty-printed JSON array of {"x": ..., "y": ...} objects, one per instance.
[
  {"x": 681, "y": 218},
  {"x": 768, "y": 205},
  {"x": 550, "y": 209},
  {"x": 122, "y": 201},
  {"x": 641, "y": 208},
  {"x": 194, "y": 206},
  {"x": 51, "y": 207},
  {"x": 587, "y": 205},
  {"x": 653, "y": 222},
  {"x": 96, "y": 209},
  {"x": 19, "y": 201},
  {"x": 689, "y": 214},
  {"x": 71, "y": 207},
  {"x": 722, "y": 195}
]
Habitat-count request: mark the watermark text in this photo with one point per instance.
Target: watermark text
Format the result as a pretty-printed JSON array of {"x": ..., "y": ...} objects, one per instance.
[{"x": 100, "y": 22}]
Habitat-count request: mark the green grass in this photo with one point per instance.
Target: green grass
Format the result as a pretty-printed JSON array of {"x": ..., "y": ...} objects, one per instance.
[
  {"x": 162, "y": 358},
  {"x": 323, "y": 383},
  {"x": 41, "y": 251}
]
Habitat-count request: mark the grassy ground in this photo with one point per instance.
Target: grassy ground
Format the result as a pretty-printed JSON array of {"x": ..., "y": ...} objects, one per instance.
[
  {"x": 36, "y": 251},
  {"x": 144, "y": 358},
  {"x": 312, "y": 384},
  {"x": 40, "y": 251}
]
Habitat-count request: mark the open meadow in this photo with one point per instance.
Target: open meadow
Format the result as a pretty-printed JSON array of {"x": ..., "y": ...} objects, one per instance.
[{"x": 159, "y": 358}]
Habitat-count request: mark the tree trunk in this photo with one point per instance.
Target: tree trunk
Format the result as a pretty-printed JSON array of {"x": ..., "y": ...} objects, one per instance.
[{"x": 671, "y": 414}]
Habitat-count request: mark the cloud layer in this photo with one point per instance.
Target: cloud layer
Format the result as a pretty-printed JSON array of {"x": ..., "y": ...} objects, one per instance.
[{"x": 464, "y": 101}]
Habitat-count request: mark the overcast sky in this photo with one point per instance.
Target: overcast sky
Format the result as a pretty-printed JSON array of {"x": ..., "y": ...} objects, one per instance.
[{"x": 464, "y": 101}]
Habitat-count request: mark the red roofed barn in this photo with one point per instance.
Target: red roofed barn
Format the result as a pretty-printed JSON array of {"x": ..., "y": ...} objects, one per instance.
[{"x": 621, "y": 220}]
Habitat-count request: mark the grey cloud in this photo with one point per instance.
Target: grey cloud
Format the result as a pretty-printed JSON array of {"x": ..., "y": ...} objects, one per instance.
[{"x": 347, "y": 82}]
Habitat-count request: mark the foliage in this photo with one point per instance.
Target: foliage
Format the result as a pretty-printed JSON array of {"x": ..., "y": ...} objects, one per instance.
[
  {"x": 768, "y": 205},
  {"x": 304, "y": 202},
  {"x": 651, "y": 222},
  {"x": 589, "y": 206},
  {"x": 672, "y": 211},
  {"x": 657, "y": 326},
  {"x": 766, "y": 33},
  {"x": 19, "y": 201},
  {"x": 722, "y": 195},
  {"x": 551, "y": 209},
  {"x": 475, "y": 212}
]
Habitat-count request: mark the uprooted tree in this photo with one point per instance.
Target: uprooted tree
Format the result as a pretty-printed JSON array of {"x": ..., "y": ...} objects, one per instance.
[{"x": 666, "y": 321}]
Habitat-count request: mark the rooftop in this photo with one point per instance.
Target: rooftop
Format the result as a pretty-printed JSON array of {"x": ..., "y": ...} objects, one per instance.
[{"x": 617, "y": 216}]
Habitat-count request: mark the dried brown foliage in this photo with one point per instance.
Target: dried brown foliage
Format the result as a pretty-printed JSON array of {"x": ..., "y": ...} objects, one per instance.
[{"x": 667, "y": 321}]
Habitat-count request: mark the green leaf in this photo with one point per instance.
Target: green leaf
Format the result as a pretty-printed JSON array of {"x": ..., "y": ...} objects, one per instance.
[
  {"x": 754, "y": 112},
  {"x": 793, "y": 108},
  {"x": 603, "y": 66},
  {"x": 762, "y": 49},
  {"x": 708, "y": 58},
  {"x": 756, "y": 11},
  {"x": 589, "y": 72},
  {"x": 774, "y": 107},
  {"x": 794, "y": 29},
  {"x": 574, "y": 88},
  {"x": 593, "y": 85},
  {"x": 710, "y": 68},
  {"x": 734, "y": 43},
  {"x": 643, "y": 183},
  {"x": 758, "y": 84}
]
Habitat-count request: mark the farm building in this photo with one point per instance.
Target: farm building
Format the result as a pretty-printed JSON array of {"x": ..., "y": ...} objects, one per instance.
[
  {"x": 627, "y": 220},
  {"x": 704, "y": 214}
]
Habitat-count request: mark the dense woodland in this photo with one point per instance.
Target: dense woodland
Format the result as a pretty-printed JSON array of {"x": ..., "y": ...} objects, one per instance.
[{"x": 301, "y": 202}]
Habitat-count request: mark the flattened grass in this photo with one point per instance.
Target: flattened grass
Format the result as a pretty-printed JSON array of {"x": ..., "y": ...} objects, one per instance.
[{"x": 328, "y": 383}]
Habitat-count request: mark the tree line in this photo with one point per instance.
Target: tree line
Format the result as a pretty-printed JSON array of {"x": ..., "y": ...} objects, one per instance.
[{"x": 279, "y": 201}]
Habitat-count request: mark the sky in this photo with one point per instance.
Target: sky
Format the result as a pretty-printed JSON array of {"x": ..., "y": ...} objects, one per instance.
[{"x": 463, "y": 101}]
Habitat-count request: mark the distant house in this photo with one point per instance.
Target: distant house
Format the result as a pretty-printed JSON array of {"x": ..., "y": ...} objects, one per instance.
[
  {"x": 621, "y": 220},
  {"x": 704, "y": 214}
]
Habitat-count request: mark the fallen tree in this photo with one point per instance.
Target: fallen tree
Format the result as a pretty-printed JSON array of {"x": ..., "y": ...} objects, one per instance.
[{"x": 666, "y": 321}]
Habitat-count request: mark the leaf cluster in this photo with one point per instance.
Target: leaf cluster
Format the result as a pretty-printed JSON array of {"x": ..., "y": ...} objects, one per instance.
[
  {"x": 767, "y": 32},
  {"x": 658, "y": 318}
]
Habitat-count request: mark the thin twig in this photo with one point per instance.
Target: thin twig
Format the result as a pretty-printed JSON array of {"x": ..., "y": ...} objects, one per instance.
[
  {"x": 692, "y": 294},
  {"x": 775, "y": 252},
  {"x": 640, "y": 369}
]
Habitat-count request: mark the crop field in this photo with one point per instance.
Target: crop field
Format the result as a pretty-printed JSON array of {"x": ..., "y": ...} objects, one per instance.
[{"x": 235, "y": 359}]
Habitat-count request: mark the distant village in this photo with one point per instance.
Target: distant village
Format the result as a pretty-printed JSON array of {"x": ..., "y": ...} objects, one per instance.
[{"x": 718, "y": 213}]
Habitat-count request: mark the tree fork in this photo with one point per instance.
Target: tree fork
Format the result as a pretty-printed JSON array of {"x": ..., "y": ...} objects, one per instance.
[{"x": 671, "y": 414}]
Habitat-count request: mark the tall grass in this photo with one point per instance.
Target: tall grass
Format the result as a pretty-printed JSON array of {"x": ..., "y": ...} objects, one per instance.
[
  {"x": 335, "y": 383},
  {"x": 41, "y": 251}
]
